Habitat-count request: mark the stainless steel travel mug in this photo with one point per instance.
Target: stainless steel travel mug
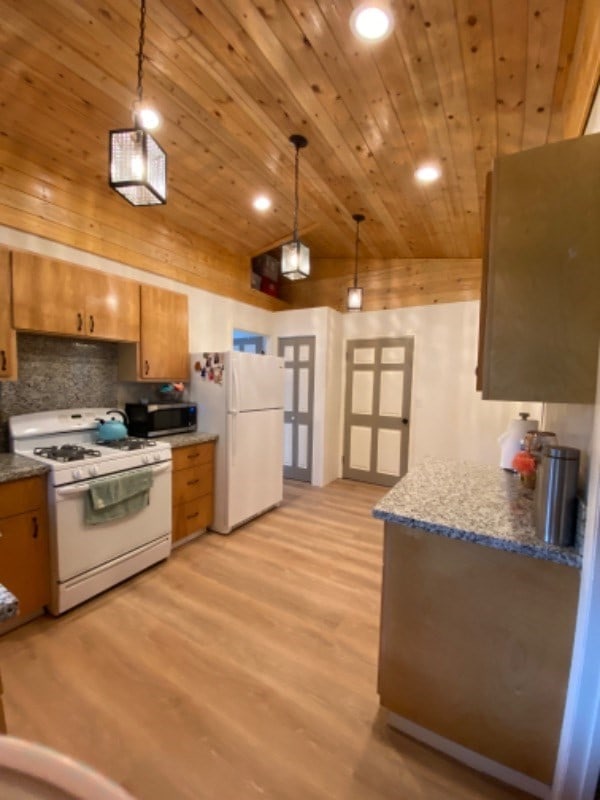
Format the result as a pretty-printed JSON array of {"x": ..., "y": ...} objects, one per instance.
[{"x": 556, "y": 495}]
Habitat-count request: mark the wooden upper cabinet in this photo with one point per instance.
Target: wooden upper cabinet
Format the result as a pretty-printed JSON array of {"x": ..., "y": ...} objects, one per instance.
[
  {"x": 51, "y": 296},
  {"x": 164, "y": 340},
  {"x": 542, "y": 318},
  {"x": 8, "y": 338}
]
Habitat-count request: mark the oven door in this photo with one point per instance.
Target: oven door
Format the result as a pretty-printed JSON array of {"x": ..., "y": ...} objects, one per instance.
[{"x": 78, "y": 547}]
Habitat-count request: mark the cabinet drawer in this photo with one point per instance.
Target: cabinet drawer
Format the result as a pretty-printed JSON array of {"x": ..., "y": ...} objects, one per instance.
[
  {"x": 192, "y": 516},
  {"x": 195, "y": 454},
  {"x": 23, "y": 495},
  {"x": 188, "y": 484}
]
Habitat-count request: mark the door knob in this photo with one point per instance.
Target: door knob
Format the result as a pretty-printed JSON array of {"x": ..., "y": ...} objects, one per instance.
[{"x": 404, "y": 421}]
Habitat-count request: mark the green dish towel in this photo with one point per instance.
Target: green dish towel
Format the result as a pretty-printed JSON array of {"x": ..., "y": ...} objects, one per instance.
[{"x": 115, "y": 497}]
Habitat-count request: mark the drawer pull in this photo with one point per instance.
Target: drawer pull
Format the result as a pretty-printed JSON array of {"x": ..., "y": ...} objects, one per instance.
[
  {"x": 192, "y": 516},
  {"x": 36, "y": 527},
  {"x": 191, "y": 483},
  {"x": 193, "y": 455}
]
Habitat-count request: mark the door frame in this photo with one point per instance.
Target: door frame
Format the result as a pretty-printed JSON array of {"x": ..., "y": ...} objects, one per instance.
[{"x": 293, "y": 471}]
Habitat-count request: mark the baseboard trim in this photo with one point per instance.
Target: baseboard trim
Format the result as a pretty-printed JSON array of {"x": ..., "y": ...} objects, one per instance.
[{"x": 469, "y": 757}]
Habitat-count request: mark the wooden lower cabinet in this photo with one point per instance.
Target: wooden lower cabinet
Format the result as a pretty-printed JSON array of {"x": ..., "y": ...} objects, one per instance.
[
  {"x": 193, "y": 489},
  {"x": 24, "y": 550},
  {"x": 476, "y": 646}
]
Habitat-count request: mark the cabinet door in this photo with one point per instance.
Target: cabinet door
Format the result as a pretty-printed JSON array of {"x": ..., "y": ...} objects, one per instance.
[
  {"x": 8, "y": 339},
  {"x": 48, "y": 295},
  {"x": 112, "y": 307},
  {"x": 24, "y": 559},
  {"x": 542, "y": 324},
  {"x": 164, "y": 349}
]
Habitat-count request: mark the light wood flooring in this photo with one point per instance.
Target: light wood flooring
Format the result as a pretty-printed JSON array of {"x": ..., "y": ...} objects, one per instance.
[{"x": 242, "y": 668}]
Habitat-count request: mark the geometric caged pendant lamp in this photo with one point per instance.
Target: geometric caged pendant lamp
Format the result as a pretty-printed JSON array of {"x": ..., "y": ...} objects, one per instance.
[
  {"x": 137, "y": 163},
  {"x": 295, "y": 256},
  {"x": 354, "y": 299}
]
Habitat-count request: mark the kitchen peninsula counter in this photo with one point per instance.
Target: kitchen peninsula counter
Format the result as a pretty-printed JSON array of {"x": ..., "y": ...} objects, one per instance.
[
  {"x": 473, "y": 502},
  {"x": 14, "y": 467},
  {"x": 477, "y": 621}
]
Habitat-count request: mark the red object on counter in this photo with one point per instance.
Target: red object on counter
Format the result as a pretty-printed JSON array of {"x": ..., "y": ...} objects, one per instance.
[{"x": 524, "y": 463}]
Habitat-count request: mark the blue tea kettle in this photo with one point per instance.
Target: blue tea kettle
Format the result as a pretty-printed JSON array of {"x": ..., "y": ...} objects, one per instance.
[{"x": 110, "y": 430}]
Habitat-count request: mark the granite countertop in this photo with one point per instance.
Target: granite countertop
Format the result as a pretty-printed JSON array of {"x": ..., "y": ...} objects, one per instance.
[
  {"x": 474, "y": 502},
  {"x": 185, "y": 439},
  {"x": 9, "y": 605},
  {"x": 14, "y": 467}
]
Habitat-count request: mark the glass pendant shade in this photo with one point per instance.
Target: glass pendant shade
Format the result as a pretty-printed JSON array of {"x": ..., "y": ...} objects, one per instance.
[
  {"x": 295, "y": 261},
  {"x": 138, "y": 167},
  {"x": 354, "y": 300}
]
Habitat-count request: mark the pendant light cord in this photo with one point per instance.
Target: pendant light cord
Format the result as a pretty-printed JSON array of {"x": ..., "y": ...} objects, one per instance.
[
  {"x": 356, "y": 256},
  {"x": 296, "y": 161},
  {"x": 140, "y": 70}
]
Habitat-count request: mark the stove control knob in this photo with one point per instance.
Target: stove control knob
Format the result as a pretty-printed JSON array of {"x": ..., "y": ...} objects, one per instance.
[
  {"x": 77, "y": 474},
  {"x": 93, "y": 470},
  {"x": 145, "y": 459},
  {"x": 156, "y": 456}
]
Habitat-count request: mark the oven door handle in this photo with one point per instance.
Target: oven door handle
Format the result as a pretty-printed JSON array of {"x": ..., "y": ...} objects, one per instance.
[{"x": 80, "y": 488}]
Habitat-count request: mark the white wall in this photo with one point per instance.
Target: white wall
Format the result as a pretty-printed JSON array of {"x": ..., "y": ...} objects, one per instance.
[{"x": 448, "y": 417}]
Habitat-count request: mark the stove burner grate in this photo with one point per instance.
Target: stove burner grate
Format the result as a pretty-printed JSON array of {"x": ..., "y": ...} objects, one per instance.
[
  {"x": 130, "y": 443},
  {"x": 66, "y": 452}
]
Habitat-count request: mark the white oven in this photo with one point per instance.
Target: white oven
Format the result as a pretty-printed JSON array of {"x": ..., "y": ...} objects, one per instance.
[{"x": 89, "y": 558}]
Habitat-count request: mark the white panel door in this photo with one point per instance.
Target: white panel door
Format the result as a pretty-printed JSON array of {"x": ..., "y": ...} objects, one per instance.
[{"x": 377, "y": 408}]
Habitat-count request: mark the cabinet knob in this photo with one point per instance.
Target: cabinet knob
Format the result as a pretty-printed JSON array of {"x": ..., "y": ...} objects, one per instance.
[
  {"x": 79, "y": 321},
  {"x": 91, "y": 323},
  {"x": 3, "y": 364}
]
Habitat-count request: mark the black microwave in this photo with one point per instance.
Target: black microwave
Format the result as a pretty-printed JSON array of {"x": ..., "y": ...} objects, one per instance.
[{"x": 159, "y": 419}]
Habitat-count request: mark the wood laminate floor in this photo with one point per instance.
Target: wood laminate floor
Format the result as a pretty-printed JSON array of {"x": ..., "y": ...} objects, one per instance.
[{"x": 242, "y": 668}]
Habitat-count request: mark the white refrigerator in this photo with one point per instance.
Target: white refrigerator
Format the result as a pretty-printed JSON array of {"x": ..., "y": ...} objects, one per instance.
[{"x": 240, "y": 398}]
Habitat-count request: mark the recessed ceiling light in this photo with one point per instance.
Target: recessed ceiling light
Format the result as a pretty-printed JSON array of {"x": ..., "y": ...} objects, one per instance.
[
  {"x": 428, "y": 173},
  {"x": 261, "y": 202},
  {"x": 371, "y": 21}
]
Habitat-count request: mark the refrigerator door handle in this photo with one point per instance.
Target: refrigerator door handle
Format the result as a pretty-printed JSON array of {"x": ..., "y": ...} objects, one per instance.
[{"x": 235, "y": 389}]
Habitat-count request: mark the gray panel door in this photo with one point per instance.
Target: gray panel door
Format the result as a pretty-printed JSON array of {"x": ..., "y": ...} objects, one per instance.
[
  {"x": 298, "y": 354},
  {"x": 377, "y": 409}
]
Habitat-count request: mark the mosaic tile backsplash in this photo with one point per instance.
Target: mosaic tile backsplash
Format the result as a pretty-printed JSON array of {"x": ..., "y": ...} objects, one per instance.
[{"x": 58, "y": 372}]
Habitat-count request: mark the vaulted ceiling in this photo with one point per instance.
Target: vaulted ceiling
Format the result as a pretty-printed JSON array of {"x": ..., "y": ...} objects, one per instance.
[{"x": 458, "y": 82}]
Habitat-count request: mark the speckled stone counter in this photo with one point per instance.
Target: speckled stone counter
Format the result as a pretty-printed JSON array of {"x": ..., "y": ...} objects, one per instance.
[
  {"x": 9, "y": 605},
  {"x": 185, "y": 439},
  {"x": 14, "y": 467},
  {"x": 473, "y": 502}
]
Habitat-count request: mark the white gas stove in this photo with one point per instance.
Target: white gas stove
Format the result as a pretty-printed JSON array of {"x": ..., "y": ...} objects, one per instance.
[{"x": 90, "y": 556}]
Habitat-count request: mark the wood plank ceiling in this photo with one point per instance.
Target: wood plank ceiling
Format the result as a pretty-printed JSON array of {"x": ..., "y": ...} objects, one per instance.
[{"x": 457, "y": 82}]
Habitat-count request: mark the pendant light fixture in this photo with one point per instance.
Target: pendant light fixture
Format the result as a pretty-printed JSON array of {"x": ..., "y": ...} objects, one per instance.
[
  {"x": 138, "y": 164},
  {"x": 295, "y": 256},
  {"x": 354, "y": 300}
]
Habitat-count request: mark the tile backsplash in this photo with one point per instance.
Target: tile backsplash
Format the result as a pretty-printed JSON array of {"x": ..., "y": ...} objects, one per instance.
[{"x": 59, "y": 372}]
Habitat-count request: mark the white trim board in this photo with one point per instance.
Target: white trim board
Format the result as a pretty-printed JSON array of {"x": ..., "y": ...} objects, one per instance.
[{"x": 469, "y": 757}]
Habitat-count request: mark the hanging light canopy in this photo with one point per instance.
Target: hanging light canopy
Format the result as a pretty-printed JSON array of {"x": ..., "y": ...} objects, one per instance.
[
  {"x": 138, "y": 164},
  {"x": 295, "y": 256},
  {"x": 354, "y": 300}
]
